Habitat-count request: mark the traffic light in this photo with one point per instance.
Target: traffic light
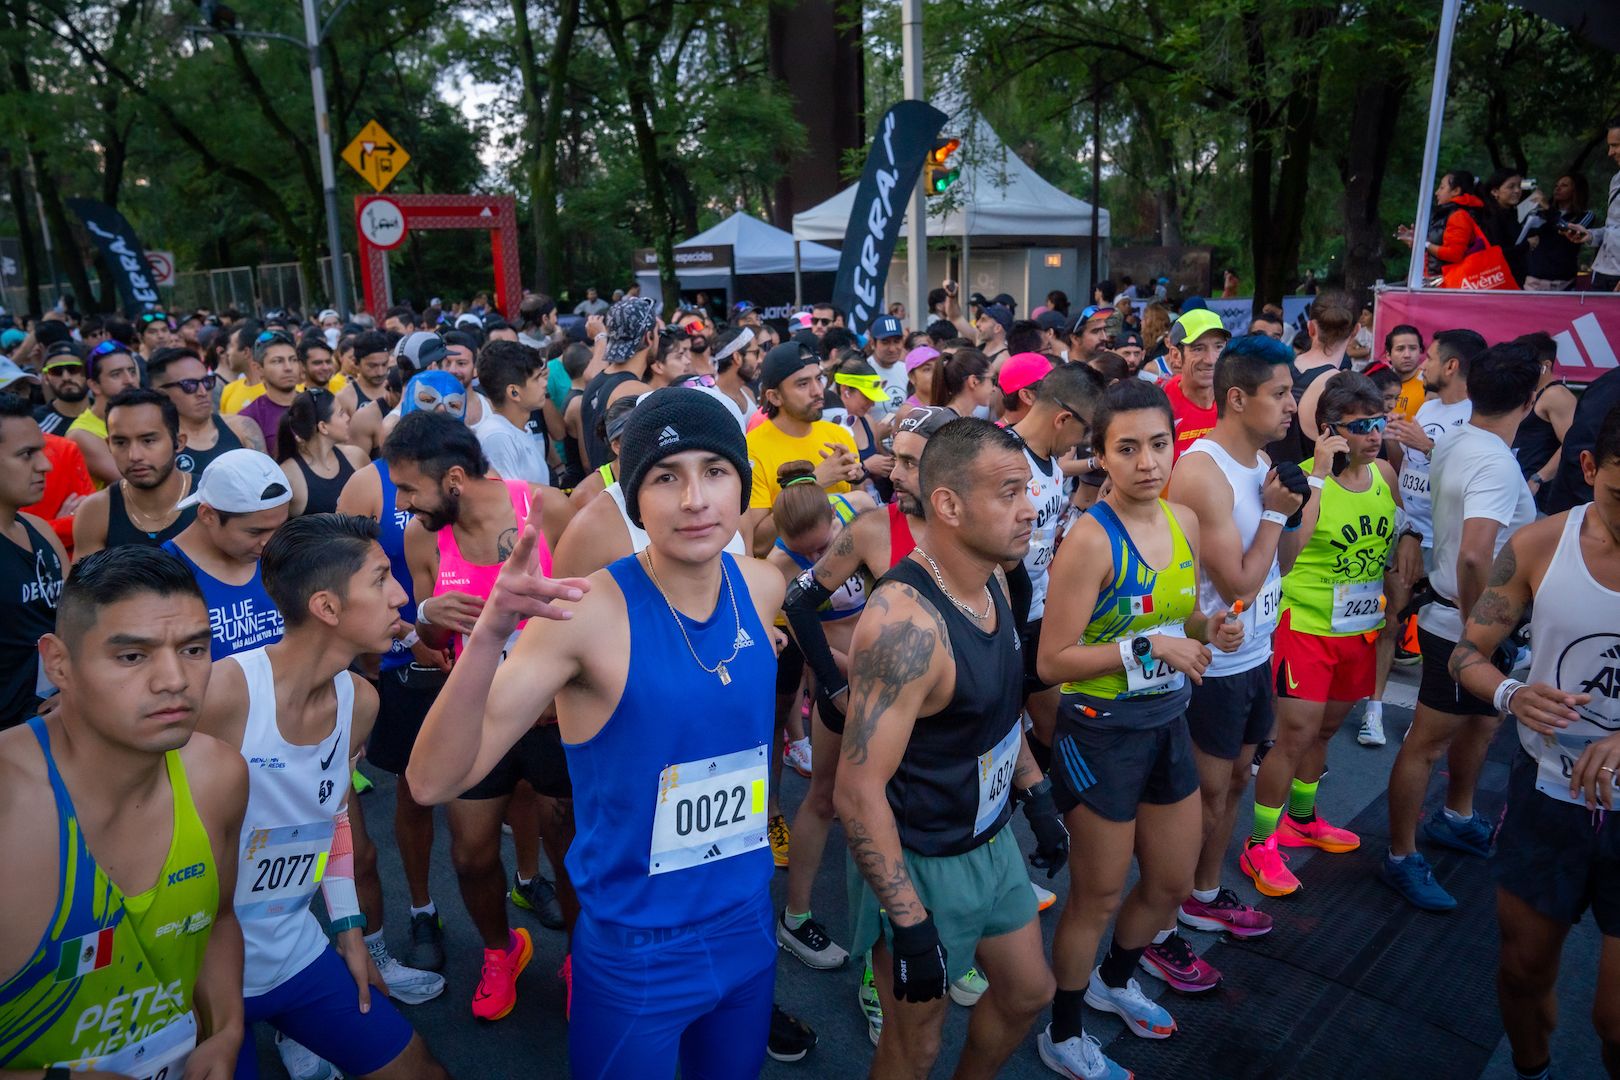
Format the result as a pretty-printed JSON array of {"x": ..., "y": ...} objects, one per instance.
[{"x": 937, "y": 174}]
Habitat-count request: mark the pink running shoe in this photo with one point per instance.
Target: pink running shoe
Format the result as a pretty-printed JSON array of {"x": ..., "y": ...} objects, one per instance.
[
  {"x": 1174, "y": 961},
  {"x": 1225, "y": 912},
  {"x": 1316, "y": 833},
  {"x": 1266, "y": 865}
]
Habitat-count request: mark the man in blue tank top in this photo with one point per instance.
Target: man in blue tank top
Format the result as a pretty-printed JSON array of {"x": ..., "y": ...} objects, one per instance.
[
  {"x": 671, "y": 862},
  {"x": 241, "y": 501}
]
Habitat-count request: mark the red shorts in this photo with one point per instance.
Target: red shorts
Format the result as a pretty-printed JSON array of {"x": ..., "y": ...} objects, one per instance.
[{"x": 1316, "y": 667}]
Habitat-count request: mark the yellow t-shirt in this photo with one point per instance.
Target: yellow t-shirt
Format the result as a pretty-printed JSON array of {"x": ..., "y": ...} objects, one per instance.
[
  {"x": 769, "y": 448},
  {"x": 334, "y": 385},
  {"x": 1412, "y": 395},
  {"x": 238, "y": 394}
]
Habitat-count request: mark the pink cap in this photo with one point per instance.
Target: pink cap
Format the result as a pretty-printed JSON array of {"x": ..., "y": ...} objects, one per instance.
[
  {"x": 919, "y": 356},
  {"x": 1021, "y": 370},
  {"x": 799, "y": 320}
]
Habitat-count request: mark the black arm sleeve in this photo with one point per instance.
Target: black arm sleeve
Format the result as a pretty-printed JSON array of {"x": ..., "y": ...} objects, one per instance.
[
  {"x": 804, "y": 596},
  {"x": 1020, "y": 592}
]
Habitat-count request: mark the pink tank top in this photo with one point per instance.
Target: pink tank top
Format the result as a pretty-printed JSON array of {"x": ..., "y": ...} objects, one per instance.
[{"x": 456, "y": 574}]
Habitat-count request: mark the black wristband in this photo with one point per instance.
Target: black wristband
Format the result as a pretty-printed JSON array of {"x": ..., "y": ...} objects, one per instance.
[{"x": 1041, "y": 787}]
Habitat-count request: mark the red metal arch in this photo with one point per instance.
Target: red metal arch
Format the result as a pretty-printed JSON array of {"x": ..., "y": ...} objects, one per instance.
[{"x": 496, "y": 214}]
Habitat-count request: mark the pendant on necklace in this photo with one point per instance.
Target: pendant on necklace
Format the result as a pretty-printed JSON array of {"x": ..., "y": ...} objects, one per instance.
[{"x": 725, "y": 676}]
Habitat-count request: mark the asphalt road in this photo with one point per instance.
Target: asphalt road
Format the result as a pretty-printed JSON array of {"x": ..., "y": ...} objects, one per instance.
[{"x": 533, "y": 1040}]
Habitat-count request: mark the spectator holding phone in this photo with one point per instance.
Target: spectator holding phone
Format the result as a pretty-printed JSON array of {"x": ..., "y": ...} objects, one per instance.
[
  {"x": 1552, "y": 256},
  {"x": 1606, "y": 267},
  {"x": 1454, "y": 226}
]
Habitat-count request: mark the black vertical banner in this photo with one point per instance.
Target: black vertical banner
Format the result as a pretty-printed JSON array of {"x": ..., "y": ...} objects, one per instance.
[
  {"x": 905, "y": 136},
  {"x": 124, "y": 253}
]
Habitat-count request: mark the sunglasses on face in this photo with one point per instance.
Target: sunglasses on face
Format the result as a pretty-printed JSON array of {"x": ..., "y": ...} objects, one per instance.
[
  {"x": 273, "y": 335},
  {"x": 108, "y": 347},
  {"x": 1367, "y": 425},
  {"x": 821, "y": 322},
  {"x": 154, "y": 316},
  {"x": 191, "y": 386}
]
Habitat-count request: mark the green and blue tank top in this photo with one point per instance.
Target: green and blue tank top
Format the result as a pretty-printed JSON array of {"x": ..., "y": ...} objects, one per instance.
[{"x": 110, "y": 984}]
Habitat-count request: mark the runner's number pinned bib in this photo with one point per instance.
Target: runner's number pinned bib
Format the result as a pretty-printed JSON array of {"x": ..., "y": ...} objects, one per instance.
[
  {"x": 160, "y": 1056},
  {"x": 709, "y": 809},
  {"x": 1556, "y": 764},
  {"x": 1261, "y": 618},
  {"x": 1358, "y": 606},
  {"x": 996, "y": 768},
  {"x": 1152, "y": 675},
  {"x": 281, "y": 869}
]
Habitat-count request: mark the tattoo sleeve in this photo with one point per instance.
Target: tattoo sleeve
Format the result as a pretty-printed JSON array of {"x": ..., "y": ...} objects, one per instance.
[
  {"x": 1505, "y": 566},
  {"x": 887, "y": 875},
  {"x": 900, "y": 654}
]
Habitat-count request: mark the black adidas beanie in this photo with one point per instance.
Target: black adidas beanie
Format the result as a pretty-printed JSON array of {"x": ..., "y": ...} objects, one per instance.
[{"x": 672, "y": 420}]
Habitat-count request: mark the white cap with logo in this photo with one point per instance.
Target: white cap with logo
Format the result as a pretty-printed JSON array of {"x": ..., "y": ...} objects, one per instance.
[{"x": 240, "y": 482}]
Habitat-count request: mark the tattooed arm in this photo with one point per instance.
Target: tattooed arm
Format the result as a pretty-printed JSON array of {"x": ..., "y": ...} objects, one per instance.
[
  {"x": 851, "y": 549},
  {"x": 1492, "y": 618},
  {"x": 900, "y": 659}
]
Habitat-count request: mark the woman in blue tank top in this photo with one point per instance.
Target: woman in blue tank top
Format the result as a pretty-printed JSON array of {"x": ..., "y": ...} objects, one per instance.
[{"x": 671, "y": 861}]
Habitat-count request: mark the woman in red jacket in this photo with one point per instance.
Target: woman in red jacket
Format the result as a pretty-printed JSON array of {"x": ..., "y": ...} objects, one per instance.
[{"x": 1454, "y": 224}]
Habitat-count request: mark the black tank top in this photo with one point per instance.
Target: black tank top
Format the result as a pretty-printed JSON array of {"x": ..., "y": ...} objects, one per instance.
[
  {"x": 121, "y": 531},
  {"x": 938, "y": 790},
  {"x": 30, "y": 583},
  {"x": 597, "y": 394},
  {"x": 1536, "y": 441},
  {"x": 1294, "y": 446},
  {"x": 361, "y": 398},
  {"x": 573, "y": 470},
  {"x": 323, "y": 492},
  {"x": 195, "y": 461}
]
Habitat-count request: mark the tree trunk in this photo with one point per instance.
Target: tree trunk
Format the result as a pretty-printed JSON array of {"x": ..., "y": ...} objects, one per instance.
[
  {"x": 25, "y": 236},
  {"x": 1376, "y": 106},
  {"x": 529, "y": 73},
  {"x": 548, "y": 228}
]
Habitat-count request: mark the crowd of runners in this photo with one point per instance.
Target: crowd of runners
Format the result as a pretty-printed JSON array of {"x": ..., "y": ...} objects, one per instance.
[{"x": 595, "y": 586}]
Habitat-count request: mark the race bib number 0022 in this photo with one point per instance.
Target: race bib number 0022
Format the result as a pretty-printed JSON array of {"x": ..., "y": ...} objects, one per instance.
[{"x": 709, "y": 809}]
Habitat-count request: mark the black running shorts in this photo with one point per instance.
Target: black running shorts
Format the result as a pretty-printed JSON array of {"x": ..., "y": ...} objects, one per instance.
[
  {"x": 538, "y": 758},
  {"x": 1114, "y": 770},
  {"x": 1228, "y": 712},
  {"x": 404, "y": 696},
  {"x": 1558, "y": 857},
  {"x": 1438, "y": 690}
]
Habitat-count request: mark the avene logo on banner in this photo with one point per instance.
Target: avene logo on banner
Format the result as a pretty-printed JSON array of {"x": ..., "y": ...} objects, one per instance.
[{"x": 1586, "y": 326}]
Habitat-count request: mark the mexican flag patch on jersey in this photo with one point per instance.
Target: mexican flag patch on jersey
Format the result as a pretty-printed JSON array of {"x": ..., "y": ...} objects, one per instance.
[
  {"x": 81, "y": 956},
  {"x": 1136, "y": 605}
]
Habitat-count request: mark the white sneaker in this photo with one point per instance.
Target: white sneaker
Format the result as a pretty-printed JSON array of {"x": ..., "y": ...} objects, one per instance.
[
  {"x": 796, "y": 755},
  {"x": 406, "y": 985},
  {"x": 1143, "y": 1017},
  {"x": 967, "y": 990},
  {"x": 1044, "y": 898},
  {"x": 1372, "y": 731},
  {"x": 301, "y": 1063},
  {"x": 1078, "y": 1057}
]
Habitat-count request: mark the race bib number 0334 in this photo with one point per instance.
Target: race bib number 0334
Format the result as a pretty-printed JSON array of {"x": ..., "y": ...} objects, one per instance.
[{"x": 709, "y": 809}]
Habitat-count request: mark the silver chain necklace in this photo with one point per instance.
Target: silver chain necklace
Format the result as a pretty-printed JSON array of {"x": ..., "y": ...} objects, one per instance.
[
  {"x": 719, "y": 670},
  {"x": 939, "y": 579}
]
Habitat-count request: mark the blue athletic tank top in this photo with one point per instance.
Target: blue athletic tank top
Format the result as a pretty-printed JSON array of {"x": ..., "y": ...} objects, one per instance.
[
  {"x": 670, "y": 802},
  {"x": 391, "y": 535},
  {"x": 240, "y": 617}
]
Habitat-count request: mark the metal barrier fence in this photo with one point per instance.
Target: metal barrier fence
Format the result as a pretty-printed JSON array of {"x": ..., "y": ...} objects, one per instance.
[{"x": 254, "y": 289}]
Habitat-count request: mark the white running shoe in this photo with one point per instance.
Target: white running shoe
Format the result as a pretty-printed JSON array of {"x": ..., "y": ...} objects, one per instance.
[
  {"x": 1372, "y": 731},
  {"x": 796, "y": 756},
  {"x": 406, "y": 985},
  {"x": 967, "y": 990},
  {"x": 1044, "y": 898},
  {"x": 302, "y": 1063},
  {"x": 1078, "y": 1057},
  {"x": 1143, "y": 1016}
]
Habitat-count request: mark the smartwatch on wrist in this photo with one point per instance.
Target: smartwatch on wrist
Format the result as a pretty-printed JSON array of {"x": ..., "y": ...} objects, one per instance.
[{"x": 1142, "y": 649}]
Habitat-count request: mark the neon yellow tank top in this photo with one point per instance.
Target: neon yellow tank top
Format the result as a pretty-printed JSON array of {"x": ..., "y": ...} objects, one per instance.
[
  {"x": 114, "y": 972},
  {"x": 1139, "y": 599},
  {"x": 1336, "y": 585}
]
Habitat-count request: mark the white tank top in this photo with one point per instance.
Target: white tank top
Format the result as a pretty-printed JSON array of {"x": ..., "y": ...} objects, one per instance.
[
  {"x": 294, "y": 792},
  {"x": 1049, "y": 491},
  {"x": 640, "y": 541},
  {"x": 1575, "y": 647},
  {"x": 1259, "y": 618}
]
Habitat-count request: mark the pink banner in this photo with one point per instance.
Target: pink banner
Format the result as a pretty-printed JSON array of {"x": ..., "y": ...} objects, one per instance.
[{"x": 1586, "y": 326}]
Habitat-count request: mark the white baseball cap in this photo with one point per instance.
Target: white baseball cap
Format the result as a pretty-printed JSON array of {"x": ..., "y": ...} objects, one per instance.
[{"x": 240, "y": 481}]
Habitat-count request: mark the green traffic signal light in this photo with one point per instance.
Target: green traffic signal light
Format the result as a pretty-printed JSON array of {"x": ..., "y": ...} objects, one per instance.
[{"x": 939, "y": 180}]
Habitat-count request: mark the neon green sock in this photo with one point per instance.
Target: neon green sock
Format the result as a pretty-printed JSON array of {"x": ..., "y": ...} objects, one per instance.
[
  {"x": 1265, "y": 822},
  {"x": 1302, "y": 800}
]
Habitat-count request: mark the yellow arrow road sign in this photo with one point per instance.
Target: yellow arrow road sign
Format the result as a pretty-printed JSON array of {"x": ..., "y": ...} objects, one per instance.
[{"x": 376, "y": 155}]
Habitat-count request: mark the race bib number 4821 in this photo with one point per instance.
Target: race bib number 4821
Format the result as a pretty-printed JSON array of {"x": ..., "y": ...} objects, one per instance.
[{"x": 709, "y": 809}]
